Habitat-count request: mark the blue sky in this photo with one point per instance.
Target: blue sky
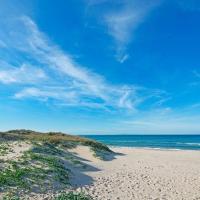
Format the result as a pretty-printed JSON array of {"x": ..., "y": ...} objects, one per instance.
[{"x": 100, "y": 66}]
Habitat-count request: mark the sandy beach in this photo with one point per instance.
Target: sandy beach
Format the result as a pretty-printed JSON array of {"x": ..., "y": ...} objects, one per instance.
[
  {"x": 141, "y": 174},
  {"x": 125, "y": 174}
]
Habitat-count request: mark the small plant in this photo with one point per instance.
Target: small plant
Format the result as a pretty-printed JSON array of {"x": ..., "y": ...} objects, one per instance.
[
  {"x": 4, "y": 149},
  {"x": 72, "y": 196},
  {"x": 10, "y": 197}
]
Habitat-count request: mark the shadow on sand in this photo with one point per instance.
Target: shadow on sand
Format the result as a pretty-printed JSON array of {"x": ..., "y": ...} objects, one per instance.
[{"x": 79, "y": 178}]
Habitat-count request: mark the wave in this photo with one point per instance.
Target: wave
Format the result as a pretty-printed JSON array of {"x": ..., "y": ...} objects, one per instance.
[{"x": 189, "y": 143}]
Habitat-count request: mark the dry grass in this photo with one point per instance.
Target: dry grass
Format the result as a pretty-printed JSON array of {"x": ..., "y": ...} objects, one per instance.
[{"x": 53, "y": 137}]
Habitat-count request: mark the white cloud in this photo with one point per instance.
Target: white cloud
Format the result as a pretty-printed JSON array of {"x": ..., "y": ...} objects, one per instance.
[
  {"x": 123, "y": 23},
  {"x": 65, "y": 97},
  {"x": 68, "y": 82},
  {"x": 45, "y": 93},
  {"x": 123, "y": 58},
  {"x": 23, "y": 74}
]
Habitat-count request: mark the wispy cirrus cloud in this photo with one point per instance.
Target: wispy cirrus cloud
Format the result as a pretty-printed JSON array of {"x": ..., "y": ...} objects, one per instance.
[
  {"x": 44, "y": 93},
  {"x": 22, "y": 74},
  {"x": 69, "y": 83},
  {"x": 122, "y": 23}
]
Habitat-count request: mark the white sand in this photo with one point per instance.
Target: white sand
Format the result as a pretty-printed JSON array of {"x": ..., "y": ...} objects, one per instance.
[
  {"x": 16, "y": 150},
  {"x": 142, "y": 174}
]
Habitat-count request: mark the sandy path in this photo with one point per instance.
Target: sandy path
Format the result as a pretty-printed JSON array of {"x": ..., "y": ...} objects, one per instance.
[{"x": 144, "y": 174}]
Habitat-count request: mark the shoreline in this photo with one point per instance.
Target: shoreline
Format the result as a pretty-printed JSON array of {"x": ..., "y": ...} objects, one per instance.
[{"x": 152, "y": 148}]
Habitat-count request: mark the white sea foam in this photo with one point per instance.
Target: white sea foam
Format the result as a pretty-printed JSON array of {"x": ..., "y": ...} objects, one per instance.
[{"x": 189, "y": 143}]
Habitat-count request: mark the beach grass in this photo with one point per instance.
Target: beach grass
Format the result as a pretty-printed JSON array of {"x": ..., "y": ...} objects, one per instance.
[{"x": 56, "y": 138}]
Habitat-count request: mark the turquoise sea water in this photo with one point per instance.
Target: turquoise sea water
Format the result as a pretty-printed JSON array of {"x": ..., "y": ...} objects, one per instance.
[{"x": 190, "y": 142}]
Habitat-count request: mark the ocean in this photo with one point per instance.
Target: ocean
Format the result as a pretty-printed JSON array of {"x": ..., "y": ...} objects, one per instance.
[{"x": 185, "y": 142}]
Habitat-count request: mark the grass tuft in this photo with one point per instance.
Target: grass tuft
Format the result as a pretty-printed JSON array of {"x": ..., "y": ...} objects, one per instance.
[{"x": 72, "y": 196}]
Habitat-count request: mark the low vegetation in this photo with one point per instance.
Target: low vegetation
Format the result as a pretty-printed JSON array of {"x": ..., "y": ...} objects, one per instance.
[
  {"x": 72, "y": 196},
  {"x": 42, "y": 168},
  {"x": 4, "y": 148}
]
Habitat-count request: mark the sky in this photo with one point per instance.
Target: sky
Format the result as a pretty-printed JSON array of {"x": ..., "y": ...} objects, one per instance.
[{"x": 100, "y": 66}]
